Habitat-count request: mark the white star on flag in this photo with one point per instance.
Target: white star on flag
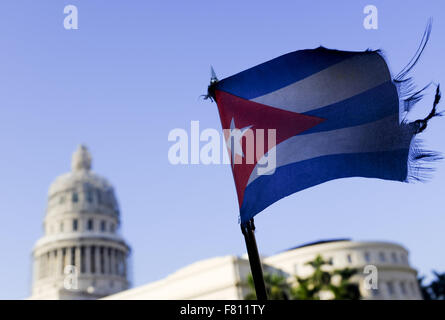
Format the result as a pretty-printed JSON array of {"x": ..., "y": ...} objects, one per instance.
[{"x": 237, "y": 135}]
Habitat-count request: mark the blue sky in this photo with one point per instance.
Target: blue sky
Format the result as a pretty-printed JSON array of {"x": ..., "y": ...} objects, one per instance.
[{"x": 134, "y": 70}]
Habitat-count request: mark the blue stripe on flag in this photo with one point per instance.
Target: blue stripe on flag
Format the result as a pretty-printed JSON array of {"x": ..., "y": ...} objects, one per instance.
[
  {"x": 280, "y": 72},
  {"x": 372, "y": 105},
  {"x": 267, "y": 189}
]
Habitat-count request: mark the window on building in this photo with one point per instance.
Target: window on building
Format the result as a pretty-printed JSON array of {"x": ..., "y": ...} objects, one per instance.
[
  {"x": 367, "y": 257},
  {"x": 103, "y": 226},
  {"x": 382, "y": 256},
  {"x": 99, "y": 196},
  {"x": 349, "y": 258},
  {"x": 90, "y": 196},
  {"x": 75, "y": 197},
  {"x": 75, "y": 224},
  {"x": 90, "y": 224},
  {"x": 394, "y": 257},
  {"x": 412, "y": 288},
  {"x": 62, "y": 199},
  {"x": 112, "y": 227},
  {"x": 110, "y": 199},
  {"x": 61, "y": 226},
  {"x": 403, "y": 288},
  {"x": 390, "y": 286},
  {"x": 404, "y": 258}
]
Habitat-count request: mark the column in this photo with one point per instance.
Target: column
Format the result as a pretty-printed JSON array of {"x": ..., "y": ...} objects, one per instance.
[
  {"x": 64, "y": 259},
  {"x": 118, "y": 261},
  {"x": 48, "y": 264},
  {"x": 36, "y": 269},
  {"x": 45, "y": 265},
  {"x": 97, "y": 259},
  {"x": 41, "y": 266},
  {"x": 67, "y": 258},
  {"x": 110, "y": 269},
  {"x": 78, "y": 261},
  {"x": 82, "y": 260},
  {"x": 106, "y": 261},
  {"x": 124, "y": 261},
  {"x": 52, "y": 263},
  {"x": 87, "y": 259},
  {"x": 112, "y": 261},
  {"x": 73, "y": 256},
  {"x": 59, "y": 263},
  {"x": 93, "y": 265}
]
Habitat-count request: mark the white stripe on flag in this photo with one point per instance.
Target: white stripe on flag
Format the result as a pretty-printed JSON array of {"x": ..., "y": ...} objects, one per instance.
[
  {"x": 381, "y": 135},
  {"x": 336, "y": 83}
]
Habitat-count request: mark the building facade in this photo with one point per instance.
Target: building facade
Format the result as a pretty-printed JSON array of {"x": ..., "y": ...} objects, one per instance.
[
  {"x": 396, "y": 279},
  {"x": 81, "y": 254},
  {"x": 225, "y": 277}
]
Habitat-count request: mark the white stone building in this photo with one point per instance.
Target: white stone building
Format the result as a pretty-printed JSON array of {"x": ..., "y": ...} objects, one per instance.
[
  {"x": 224, "y": 277},
  {"x": 81, "y": 255},
  {"x": 396, "y": 278}
]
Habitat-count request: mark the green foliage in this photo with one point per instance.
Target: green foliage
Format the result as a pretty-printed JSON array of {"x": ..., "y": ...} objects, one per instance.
[
  {"x": 334, "y": 282},
  {"x": 436, "y": 289},
  {"x": 277, "y": 287}
]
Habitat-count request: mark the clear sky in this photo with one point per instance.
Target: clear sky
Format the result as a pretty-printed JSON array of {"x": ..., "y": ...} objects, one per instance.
[{"x": 134, "y": 70}]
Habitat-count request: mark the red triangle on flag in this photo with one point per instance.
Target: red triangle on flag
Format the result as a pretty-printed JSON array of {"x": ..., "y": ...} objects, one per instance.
[{"x": 248, "y": 117}]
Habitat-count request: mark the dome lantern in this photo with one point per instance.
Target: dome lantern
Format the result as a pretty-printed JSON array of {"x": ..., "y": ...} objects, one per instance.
[{"x": 81, "y": 159}]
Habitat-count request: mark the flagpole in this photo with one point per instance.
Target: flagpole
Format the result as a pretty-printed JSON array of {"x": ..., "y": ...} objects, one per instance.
[{"x": 248, "y": 229}]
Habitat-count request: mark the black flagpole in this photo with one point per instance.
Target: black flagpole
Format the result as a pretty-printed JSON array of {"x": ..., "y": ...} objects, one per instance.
[
  {"x": 249, "y": 227},
  {"x": 254, "y": 259}
]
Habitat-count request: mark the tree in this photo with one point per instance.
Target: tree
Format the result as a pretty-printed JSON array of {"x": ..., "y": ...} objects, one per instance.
[
  {"x": 277, "y": 287},
  {"x": 438, "y": 286},
  {"x": 436, "y": 289},
  {"x": 333, "y": 284},
  {"x": 424, "y": 289}
]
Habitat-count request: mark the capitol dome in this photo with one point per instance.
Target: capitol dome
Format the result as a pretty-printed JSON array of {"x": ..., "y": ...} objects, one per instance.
[
  {"x": 82, "y": 182},
  {"x": 82, "y": 254}
]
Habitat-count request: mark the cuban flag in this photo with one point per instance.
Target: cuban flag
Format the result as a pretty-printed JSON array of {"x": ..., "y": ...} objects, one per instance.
[{"x": 335, "y": 115}]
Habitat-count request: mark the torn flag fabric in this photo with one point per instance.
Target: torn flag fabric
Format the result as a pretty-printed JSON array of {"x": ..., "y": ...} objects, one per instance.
[{"x": 334, "y": 114}]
